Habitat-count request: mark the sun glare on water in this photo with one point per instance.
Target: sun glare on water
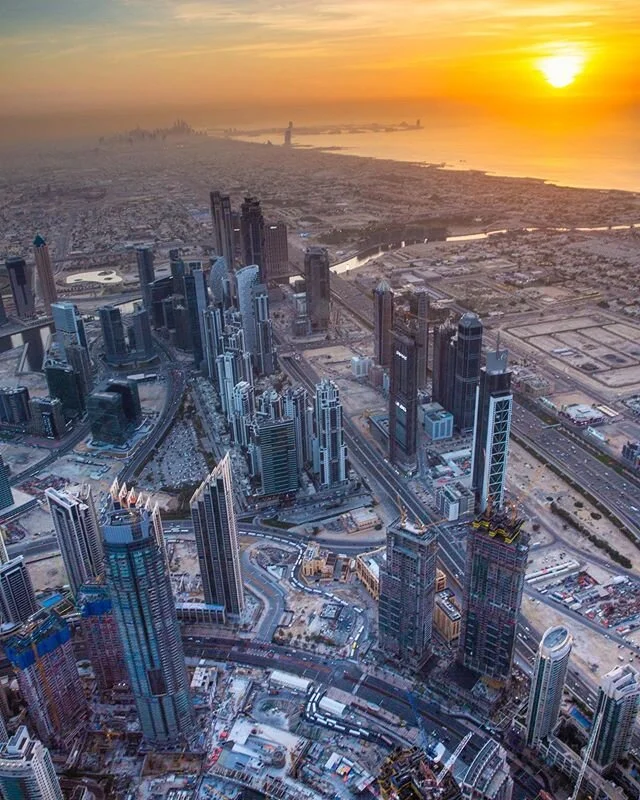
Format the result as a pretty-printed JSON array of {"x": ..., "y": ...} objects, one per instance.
[{"x": 562, "y": 68}]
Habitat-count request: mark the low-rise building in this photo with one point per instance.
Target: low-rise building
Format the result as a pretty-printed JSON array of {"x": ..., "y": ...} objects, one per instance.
[
  {"x": 447, "y": 616},
  {"x": 454, "y": 500},
  {"x": 436, "y": 421}
]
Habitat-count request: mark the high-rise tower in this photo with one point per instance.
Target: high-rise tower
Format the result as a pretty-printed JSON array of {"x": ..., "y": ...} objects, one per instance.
[
  {"x": 146, "y": 274},
  {"x": 296, "y": 406},
  {"x": 420, "y": 307},
  {"x": 45, "y": 273},
  {"x": 331, "y": 449},
  {"x": 317, "y": 277},
  {"x": 100, "y": 634},
  {"x": 444, "y": 362},
  {"x": 467, "y": 371},
  {"x": 113, "y": 336},
  {"x": 547, "y": 683},
  {"x": 497, "y": 552},
  {"x": 247, "y": 279},
  {"x": 265, "y": 359},
  {"x": 383, "y": 322},
  {"x": 6, "y": 495},
  {"x": 403, "y": 394},
  {"x": 407, "y": 592},
  {"x": 68, "y": 324},
  {"x": 618, "y": 703},
  {"x": 140, "y": 588},
  {"x": 222, "y": 218},
  {"x": 276, "y": 251},
  {"x": 76, "y": 524},
  {"x": 216, "y": 532},
  {"x": 492, "y": 427},
  {"x": 17, "y": 598},
  {"x": 488, "y": 776},
  {"x": 252, "y": 235},
  {"x": 21, "y": 282},
  {"x": 26, "y": 770}
]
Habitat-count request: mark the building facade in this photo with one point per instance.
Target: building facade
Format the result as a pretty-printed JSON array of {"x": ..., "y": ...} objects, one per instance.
[
  {"x": 100, "y": 634},
  {"x": 317, "y": 278},
  {"x": 467, "y": 371},
  {"x": 21, "y": 282},
  {"x": 17, "y": 598},
  {"x": 547, "y": 683},
  {"x": 252, "y": 235},
  {"x": 6, "y": 495},
  {"x": 274, "y": 455},
  {"x": 223, "y": 225},
  {"x": 617, "y": 706},
  {"x": 331, "y": 449},
  {"x": 403, "y": 395},
  {"x": 382, "y": 323},
  {"x": 26, "y": 770},
  {"x": 489, "y": 776},
  {"x": 146, "y": 274},
  {"x": 46, "y": 281},
  {"x": 276, "y": 251}
]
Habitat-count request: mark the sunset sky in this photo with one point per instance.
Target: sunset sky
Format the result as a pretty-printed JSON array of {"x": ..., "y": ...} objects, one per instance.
[{"x": 86, "y": 55}]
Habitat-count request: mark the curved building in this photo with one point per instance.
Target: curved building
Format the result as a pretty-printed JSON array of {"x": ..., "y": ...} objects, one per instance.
[{"x": 547, "y": 683}]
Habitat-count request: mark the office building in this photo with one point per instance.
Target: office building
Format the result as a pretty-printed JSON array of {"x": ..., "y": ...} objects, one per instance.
[
  {"x": 47, "y": 417},
  {"x": 196, "y": 297},
  {"x": 437, "y": 423},
  {"x": 403, "y": 394},
  {"x": 382, "y": 323},
  {"x": 443, "y": 369},
  {"x": 128, "y": 390},
  {"x": 212, "y": 344},
  {"x": 223, "y": 226},
  {"x": 218, "y": 274},
  {"x": 247, "y": 279},
  {"x": 547, "y": 683},
  {"x": 331, "y": 457},
  {"x": 242, "y": 413},
  {"x": 275, "y": 457},
  {"x": 276, "y": 252},
  {"x": 146, "y": 274},
  {"x": 631, "y": 454},
  {"x": 107, "y": 418},
  {"x": 252, "y": 235},
  {"x": 45, "y": 663},
  {"x": 317, "y": 278},
  {"x": 216, "y": 533},
  {"x": 419, "y": 306},
  {"x": 265, "y": 359},
  {"x": 6, "y": 495},
  {"x": 113, "y": 335},
  {"x": 491, "y": 431},
  {"x": 21, "y": 283},
  {"x": 77, "y": 357},
  {"x": 75, "y": 521},
  {"x": 139, "y": 585},
  {"x": 15, "y": 409},
  {"x": 161, "y": 290},
  {"x": 296, "y": 406},
  {"x": 489, "y": 776},
  {"x": 617, "y": 707},
  {"x": 17, "y": 598},
  {"x": 26, "y": 770},
  {"x": 232, "y": 367},
  {"x": 64, "y": 383},
  {"x": 46, "y": 281},
  {"x": 68, "y": 324},
  {"x": 467, "y": 371},
  {"x": 140, "y": 339},
  {"x": 100, "y": 635},
  {"x": 496, "y": 561},
  {"x": 407, "y": 592}
]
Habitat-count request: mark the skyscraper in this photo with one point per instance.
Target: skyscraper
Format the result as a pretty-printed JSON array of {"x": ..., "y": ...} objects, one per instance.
[
  {"x": 47, "y": 417},
  {"x": 215, "y": 529},
  {"x": 403, "y": 394},
  {"x": 17, "y": 598},
  {"x": 547, "y": 683},
  {"x": 497, "y": 552},
  {"x": 3, "y": 311},
  {"x": 265, "y": 359},
  {"x": 252, "y": 235},
  {"x": 491, "y": 431},
  {"x": 68, "y": 324},
  {"x": 275, "y": 457},
  {"x": 115, "y": 344},
  {"x": 143, "y": 606},
  {"x": 218, "y": 273},
  {"x": 467, "y": 371},
  {"x": 317, "y": 278},
  {"x": 6, "y": 495},
  {"x": 14, "y": 405},
  {"x": 100, "y": 634},
  {"x": 77, "y": 358},
  {"x": 331, "y": 449},
  {"x": 108, "y": 421},
  {"x": 296, "y": 406},
  {"x": 489, "y": 776},
  {"x": 232, "y": 367},
  {"x": 195, "y": 292},
  {"x": 76, "y": 525},
  {"x": 276, "y": 251},
  {"x": 65, "y": 384},
  {"x": 407, "y": 592},
  {"x": 223, "y": 226},
  {"x": 140, "y": 339},
  {"x": 21, "y": 282},
  {"x": 128, "y": 390},
  {"x": 618, "y": 703},
  {"x": 382, "y": 323},
  {"x": 247, "y": 279},
  {"x": 45, "y": 273},
  {"x": 444, "y": 362},
  {"x": 243, "y": 412},
  {"x": 146, "y": 274},
  {"x": 43, "y": 658},
  {"x": 26, "y": 770},
  {"x": 419, "y": 306}
]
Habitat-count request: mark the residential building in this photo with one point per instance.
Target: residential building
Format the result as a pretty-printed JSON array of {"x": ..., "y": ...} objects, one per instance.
[
  {"x": 216, "y": 533},
  {"x": 78, "y": 533},
  {"x": 617, "y": 706},
  {"x": 265, "y": 360},
  {"x": 382, "y": 323},
  {"x": 223, "y": 226},
  {"x": 275, "y": 457},
  {"x": 137, "y": 575},
  {"x": 232, "y": 367},
  {"x": 317, "y": 278},
  {"x": 252, "y": 235},
  {"x": 407, "y": 592},
  {"x": 489, "y": 776},
  {"x": 46, "y": 281},
  {"x": 196, "y": 297},
  {"x": 100, "y": 634},
  {"x": 26, "y": 770},
  {"x": 330, "y": 459},
  {"x": 276, "y": 252},
  {"x": 113, "y": 336},
  {"x": 47, "y": 417},
  {"x": 146, "y": 274},
  {"x": 496, "y": 561},
  {"x": 21, "y": 283},
  {"x": 242, "y": 413},
  {"x": 491, "y": 431},
  {"x": 6, "y": 495},
  {"x": 247, "y": 279},
  {"x": 15, "y": 410},
  {"x": 467, "y": 371},
  {"x": 547, "y": 683},
  {"x": 403, "y": 394},
  {"x": 17, "y": 598},
  {"x": 45, "y": 664},
  {"x": 296, "y": 406}
]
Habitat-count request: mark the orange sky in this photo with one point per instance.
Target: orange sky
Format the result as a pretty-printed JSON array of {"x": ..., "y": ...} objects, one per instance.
[{"x": 74, "y": 55}]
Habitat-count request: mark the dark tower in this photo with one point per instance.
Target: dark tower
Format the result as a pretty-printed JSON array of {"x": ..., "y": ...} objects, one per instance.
[
  {"x": 252, "y": 234},
  {"x": 146, "y": 274},
  {"x": 403, "y": 393},
  {"x": 382, "y": 323},
  {"x": 467, "y": 371},
  {"x": 21, "y": 282},
  {"x": 421, "y": 300},
  {"x": 443, "y": 365},
  {"x": 317, "y": 277},
  {"x": 222, "y": 218}
]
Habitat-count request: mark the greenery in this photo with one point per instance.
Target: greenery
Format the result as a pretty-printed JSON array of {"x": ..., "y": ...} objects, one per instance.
[
  {"x": 600, "y": 543},
  {"x": 272, "y": 522}
]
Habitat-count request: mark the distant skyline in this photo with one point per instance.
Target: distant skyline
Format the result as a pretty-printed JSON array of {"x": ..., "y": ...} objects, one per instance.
[{"x": 92, "y": 56}]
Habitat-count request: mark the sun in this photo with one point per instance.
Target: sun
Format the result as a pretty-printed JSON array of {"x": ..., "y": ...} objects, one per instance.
[{"x": 562, "y": 68}]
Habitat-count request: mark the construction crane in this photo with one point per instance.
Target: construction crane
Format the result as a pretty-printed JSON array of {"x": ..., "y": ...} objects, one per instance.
[
  {"x": 424, "y": 736},
  {"x": 595, "y": 732},
  {"x": 453, "y": 758}
]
